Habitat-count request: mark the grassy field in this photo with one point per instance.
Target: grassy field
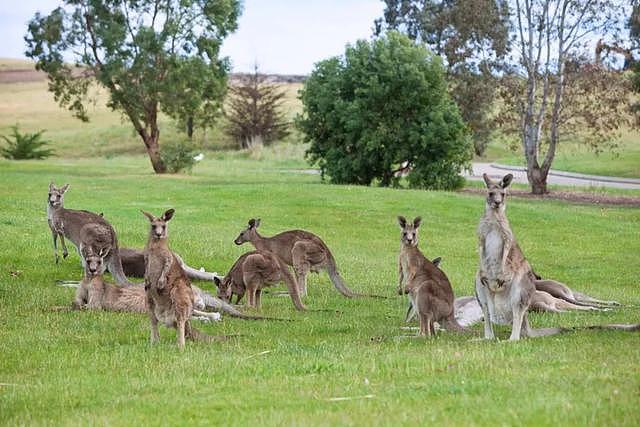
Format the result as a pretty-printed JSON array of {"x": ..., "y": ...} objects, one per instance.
[{"x": 70, "y": 368}]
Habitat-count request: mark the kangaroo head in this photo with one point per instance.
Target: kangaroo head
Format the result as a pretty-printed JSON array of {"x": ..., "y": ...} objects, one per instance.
[
  {"x": 497, "y": 191},
  {"x": 409, "y": 234},
  {"x": 224, "y": 288},
  {"x": 94, "y": 260},
  {"x": 56, "y": 195},
  {"x": 159, "y": 229},
  {"x": 248, "y": 233}
]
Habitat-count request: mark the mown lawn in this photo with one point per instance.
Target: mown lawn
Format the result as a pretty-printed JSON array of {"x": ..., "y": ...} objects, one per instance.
[{"x": 70, "y": 368}]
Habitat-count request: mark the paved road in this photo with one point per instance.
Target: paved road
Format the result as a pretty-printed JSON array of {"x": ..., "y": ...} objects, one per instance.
[{"x": 555, "y": 177}]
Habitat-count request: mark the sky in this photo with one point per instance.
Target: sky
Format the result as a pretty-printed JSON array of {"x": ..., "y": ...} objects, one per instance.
[{"x": 281, "y": 36}]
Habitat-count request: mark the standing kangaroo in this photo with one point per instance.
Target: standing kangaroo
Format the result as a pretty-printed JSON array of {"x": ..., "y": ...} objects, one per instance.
[
  {"x": 170, "y": 298},
  {"x": 429, "y": 288},
  {"x": 505, "y": 282},
  {"x": 254, "y": 271},
  {"x": 303, "y": 250},
  {"x": 82, "y": 228}
]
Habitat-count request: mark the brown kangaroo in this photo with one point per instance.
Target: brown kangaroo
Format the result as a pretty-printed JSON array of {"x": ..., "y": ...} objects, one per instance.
[
  {"x": 303, "y": 250},
  {"x": 505, "y": 282},
  {"x": 82, "y": 228},
  {"x": 253, "y": 272},
  {"x": 170, "y": 298},
  {"x": 429, "y": 288}
]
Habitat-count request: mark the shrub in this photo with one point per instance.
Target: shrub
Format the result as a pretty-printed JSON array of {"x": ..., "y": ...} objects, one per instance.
[
  {"x": 25, "y": 146},
  {"x": 381, "y": 105},
  {"x": 178, "y": 156}
]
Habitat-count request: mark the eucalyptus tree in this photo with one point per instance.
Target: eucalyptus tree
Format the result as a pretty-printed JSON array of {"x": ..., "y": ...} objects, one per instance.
[{"x": 150, "y": 55}]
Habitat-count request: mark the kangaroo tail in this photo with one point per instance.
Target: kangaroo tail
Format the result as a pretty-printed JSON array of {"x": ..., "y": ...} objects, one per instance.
[
  {"x": 543, "y": 332},
  {"x": 217, "y": 304},
  {"x": 193, "y": 273},
  {"x": 115, "y": 268},
  {"x": 195, "y": 335},
  {"x": 452, "y": 324},
  {"x": 336, "y": 279}
]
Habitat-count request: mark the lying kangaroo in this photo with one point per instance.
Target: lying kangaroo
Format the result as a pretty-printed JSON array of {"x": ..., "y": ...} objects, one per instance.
[
  {"x": 429, "y": 288},
  {"x": 170, "y": 298},
  {"x": 505, "y": 283},
  {"x": 254, "y": 271},
  {"x": 82, "y": 228},
  {"x": 303, "y": 250}
]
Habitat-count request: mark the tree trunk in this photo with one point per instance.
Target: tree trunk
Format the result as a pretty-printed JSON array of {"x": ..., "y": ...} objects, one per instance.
[
  {"x": 190, "y": 127},
  {"x": 537, "y": 179},
  {"x": 153, "y": 149}
]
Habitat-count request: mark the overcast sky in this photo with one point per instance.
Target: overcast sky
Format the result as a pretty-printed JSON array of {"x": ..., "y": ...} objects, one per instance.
[{"x": 283, "y": 36}]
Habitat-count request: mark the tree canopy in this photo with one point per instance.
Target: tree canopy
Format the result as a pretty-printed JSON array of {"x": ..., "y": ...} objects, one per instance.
[{"x": 381, "y": 107}]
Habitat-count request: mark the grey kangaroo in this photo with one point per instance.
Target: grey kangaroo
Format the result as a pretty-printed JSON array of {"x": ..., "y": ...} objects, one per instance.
[
  {"x": 83, "y": 229},
  {"x": 505, "y": 282},
  {"x": 429, "y": 288},
  {"x": 298, "y": 248},
  {"x": 170, "y": 298}
]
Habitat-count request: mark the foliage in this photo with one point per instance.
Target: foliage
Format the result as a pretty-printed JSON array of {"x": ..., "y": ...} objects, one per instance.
[
  {"x": 147, "y": 54},
  {"x": 352, "y": 365},
  {"x": 178, "y": 155},
  {"x": 254, "y": 111},
  {"x": 472, "y": 37},
  {"x": 25, "y": 146},
  {"x": 380, "y": 105}
]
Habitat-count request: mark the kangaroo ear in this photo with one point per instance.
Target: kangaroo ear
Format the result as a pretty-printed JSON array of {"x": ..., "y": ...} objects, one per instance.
[
  {"x": 52, "y": 186},
  {"x": 216, "y": 280},
  {"x": 103, "y": 252},
  {"x": 148, "y": 215},
  {"x": 417, "y": 221},
  {"x": 488, "y": 182},
  {"x": 64, "y": 188},
  {"x": 506, "y": 180},
  {"x": 168, "y": 214},
  {"x": 252, "y": 223},
  {"x": 437, "y": 261},
  {"x": 402, "y": 221},
  {"x": 257, "y": 223}
]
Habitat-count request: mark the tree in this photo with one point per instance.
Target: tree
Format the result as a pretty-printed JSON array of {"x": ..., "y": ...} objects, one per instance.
[
  {"x": 25, "y": 146},
  {"x": 472, "y": 37},
  {"x": 550, "y": 34},
  {"x": 148, "y": 54},
  {"x": 254, "y": 111},
  {"x": 381, "y": 105}
]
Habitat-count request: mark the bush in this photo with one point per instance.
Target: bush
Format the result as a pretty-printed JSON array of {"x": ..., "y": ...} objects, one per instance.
[
  {"x": 382, "y": 104},
  {"x": 178, "y": 156},
  {"x": 25, "y": 146}
]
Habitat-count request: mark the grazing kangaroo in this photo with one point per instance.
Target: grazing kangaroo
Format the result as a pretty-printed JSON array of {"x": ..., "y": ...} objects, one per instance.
[
  {"x": 505, "y": 283},
  {"x": 254, "y": 271},
  {"x": 82, "y": 228},
  {"x": 429, "y": 288},
  {"x": 303, "y": 250},
  {"x": 170, "y": 298}
]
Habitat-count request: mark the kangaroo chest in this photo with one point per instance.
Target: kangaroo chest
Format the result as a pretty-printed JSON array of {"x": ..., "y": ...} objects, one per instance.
[
  {"x": 156, "y": 263},
  {"x": 493, "y": 251}
]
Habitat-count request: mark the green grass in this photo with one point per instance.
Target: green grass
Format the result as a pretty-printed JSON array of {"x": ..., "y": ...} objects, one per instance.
[
  {"x": 70, "y": 368},
  {"x": 624, "y": 161}
]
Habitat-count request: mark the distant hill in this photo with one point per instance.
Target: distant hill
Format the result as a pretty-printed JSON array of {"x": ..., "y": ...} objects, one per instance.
[{"x": 23, "y": 70}]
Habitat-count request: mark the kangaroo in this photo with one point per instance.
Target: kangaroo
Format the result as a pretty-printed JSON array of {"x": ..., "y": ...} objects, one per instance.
[
  {"x": 505, "y": 283},
  {"x": 303, "y": 250},
  {"x": 80, "y": 227},
  {"x": 254, "y": 271},
  {"x": 563, "y": 292},
  {"x": 170, "y": 298},
  {"x": 429, "y": 288}
]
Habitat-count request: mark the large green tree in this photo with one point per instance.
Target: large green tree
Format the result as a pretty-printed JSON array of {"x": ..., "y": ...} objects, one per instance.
[
  {"x": 472, "y": 36},
  {"x": 150, "y": 55},
  {"x": 381, "y": 108}
]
